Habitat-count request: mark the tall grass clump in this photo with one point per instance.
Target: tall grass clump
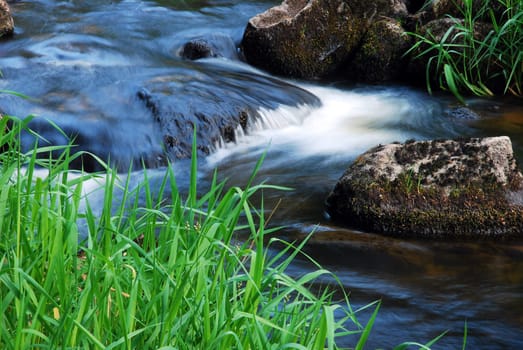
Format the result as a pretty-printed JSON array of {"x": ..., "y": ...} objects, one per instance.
[
  {"x": 481, "y": 53},
  {"x": 169, "y": 274}
]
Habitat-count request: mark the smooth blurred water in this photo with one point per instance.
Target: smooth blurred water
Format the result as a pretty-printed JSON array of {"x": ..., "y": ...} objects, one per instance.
[{"x": 82, "y": 63}]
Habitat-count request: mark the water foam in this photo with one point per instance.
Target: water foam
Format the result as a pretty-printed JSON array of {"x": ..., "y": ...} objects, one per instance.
[{"x": 346, "y": 123}]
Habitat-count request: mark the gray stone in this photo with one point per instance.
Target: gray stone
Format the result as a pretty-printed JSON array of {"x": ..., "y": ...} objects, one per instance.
[
  {"x": 445, "y": 31},
  {"x": 470, "y": 188}
]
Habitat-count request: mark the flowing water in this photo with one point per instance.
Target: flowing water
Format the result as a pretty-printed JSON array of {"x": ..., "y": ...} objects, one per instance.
[{"x": 83, "y": 62}]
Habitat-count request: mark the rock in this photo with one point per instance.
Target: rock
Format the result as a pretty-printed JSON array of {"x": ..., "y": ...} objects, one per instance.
[
  {"x": 461, "y": 113},
  {"x": 345, "y": 39},
  {"x": 146, "y": 118},
  {"x": 432, "y": 189},
  {"x": 447, "y": 7},
  {"x": 7, "y": 23},
  {"x": 381, "y": 55},
  {"x": 212, "y": 45},
  {"x": 212, "y": 128},
  {"x": 216, "y": 104},
  {"x": 104, "y": 139},
  {"x": 196, "y": 49},
  {"x": 310, "y": 39},
  {"x": 436, "y": 29}
]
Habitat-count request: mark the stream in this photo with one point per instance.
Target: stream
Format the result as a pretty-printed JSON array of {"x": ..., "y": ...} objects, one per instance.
[{"x": 84, "y": 63}]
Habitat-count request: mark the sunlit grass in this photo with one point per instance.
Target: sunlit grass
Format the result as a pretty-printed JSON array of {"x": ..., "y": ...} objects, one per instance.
[{"x": 169, "y": 274}]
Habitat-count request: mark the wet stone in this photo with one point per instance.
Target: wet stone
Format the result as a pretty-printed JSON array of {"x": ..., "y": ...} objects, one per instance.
[{"x": 462, "y": 113}]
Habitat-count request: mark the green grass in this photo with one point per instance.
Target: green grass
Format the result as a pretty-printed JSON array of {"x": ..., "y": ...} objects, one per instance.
[
  {"x": 464, "y": 63},
  {"x": 179, "y": 272}
]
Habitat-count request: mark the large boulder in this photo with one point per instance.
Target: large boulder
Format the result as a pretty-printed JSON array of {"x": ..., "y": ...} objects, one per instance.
[
  {"x": 314, "y": 38},
  {"x": 468, "y": 188},
  {"x": 7, "y": 23},
  {"x": 364, "y": 41}
]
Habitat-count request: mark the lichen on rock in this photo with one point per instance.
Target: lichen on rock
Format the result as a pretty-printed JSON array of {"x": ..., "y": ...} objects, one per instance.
[
  {"x": 361, "y": 40},
  {"x": 469, "y": 188}
]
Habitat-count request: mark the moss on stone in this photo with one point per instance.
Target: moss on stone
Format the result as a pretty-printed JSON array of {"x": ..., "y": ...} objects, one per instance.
[
  {"x": 465, "y": 202},
  {"x": 314, "y": 42},
  {"x": 380, "y": 56},
  {"x": 401, "y": 210}
]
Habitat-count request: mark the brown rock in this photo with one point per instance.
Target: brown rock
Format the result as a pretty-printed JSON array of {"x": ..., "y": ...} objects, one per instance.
[{"x": 310, "y": 39}]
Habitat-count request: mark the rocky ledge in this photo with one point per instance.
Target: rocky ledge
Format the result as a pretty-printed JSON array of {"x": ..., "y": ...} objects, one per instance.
[{"x": 467, "y": 188}]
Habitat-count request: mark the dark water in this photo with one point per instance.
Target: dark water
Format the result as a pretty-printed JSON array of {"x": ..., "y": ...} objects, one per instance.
[{"x": 84, "y": 62}]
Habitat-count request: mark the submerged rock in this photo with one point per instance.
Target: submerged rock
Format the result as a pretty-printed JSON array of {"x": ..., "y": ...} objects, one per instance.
[
  {"x": 212, "y": 127},
  {"x": 7, "y": 23},
  {"x": 462, "y": 113},
  {"x": 146, "y": 117},
  {"x": 208, "y": 46},
  {"x": 217, "y": 105},
  {"x": 468, "y": 188}
]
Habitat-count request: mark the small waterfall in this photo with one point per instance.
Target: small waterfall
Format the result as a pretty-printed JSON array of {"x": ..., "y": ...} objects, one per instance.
[
  {"x": 259, "y": 130},
  {"x": 345, "y": 123},
  {"x": 281, "y": 117}
]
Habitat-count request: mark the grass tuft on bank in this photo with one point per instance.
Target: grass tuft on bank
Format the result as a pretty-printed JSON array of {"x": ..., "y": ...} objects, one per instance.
[
  {"x": 172, "y": 274},
  {"x": 480, "y": 54}
]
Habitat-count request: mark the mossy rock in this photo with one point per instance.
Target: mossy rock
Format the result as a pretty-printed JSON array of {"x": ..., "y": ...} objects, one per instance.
[
  {"x": 311, "y": 39},
  {"x": 437, "y": 31},
  {"x": 470, "y": 188}
]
